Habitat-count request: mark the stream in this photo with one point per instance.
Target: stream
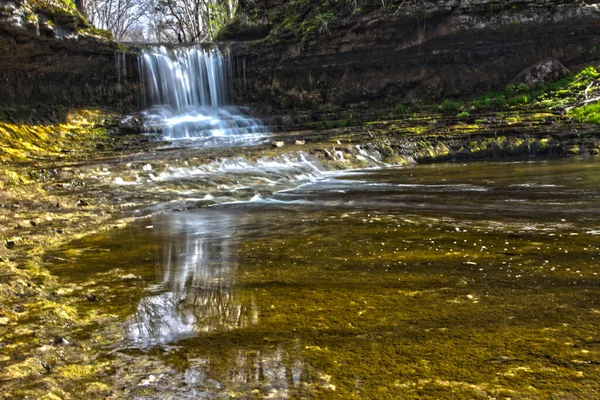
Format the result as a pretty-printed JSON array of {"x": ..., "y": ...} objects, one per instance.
[{"x": 477, "y": 279}]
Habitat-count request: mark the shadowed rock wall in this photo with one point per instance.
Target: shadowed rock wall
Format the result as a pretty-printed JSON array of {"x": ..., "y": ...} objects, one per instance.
[
  {"x": 53, "y": 61},
  {"x": 410, "y": 52}
]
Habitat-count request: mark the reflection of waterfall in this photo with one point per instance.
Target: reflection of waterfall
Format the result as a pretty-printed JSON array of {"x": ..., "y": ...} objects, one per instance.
[
  {"x": 188, "y": 89},
  {"x": 196, "y": 292},
  {"x": 278, "y": 372}
]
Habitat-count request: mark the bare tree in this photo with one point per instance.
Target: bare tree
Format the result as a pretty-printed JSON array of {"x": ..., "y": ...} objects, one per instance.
[
  {"x": 184, "y": 21},
  {"x": 192, "y": 20},
  {"x": 121, "y": 17}
]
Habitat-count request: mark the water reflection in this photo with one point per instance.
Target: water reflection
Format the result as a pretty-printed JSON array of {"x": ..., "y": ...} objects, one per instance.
[
  {"x": 273, "y": 372},
  {"x": 196, "y": 291}
]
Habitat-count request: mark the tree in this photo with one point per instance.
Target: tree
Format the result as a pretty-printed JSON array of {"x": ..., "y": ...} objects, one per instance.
[
  {"x": 192, "y": 20},
  {"x": 124, "y": 18},
  {"x": 173, "y": 21}
]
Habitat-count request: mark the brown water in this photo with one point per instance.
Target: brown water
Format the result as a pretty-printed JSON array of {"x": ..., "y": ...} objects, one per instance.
[{"x": 440, "y": 281}]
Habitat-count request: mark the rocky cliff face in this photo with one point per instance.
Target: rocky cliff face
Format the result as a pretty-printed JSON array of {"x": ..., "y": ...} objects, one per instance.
[
  {"x": 52, "y": 61},
  {"x": 342, "y": 53}
]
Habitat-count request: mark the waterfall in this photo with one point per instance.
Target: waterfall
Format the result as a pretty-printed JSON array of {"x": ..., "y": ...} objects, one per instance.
[{"x": 189, "y": 91}]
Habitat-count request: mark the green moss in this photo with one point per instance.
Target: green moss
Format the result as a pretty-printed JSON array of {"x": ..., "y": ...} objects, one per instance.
[
  {"x": 97, "y": 32},
  {"x": 574, "y": 151},
  {"x": 587, "y": 113}
]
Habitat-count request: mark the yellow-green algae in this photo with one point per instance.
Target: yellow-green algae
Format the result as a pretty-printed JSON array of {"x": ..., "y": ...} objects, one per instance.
[
  {"x": 26, "y": 142},
  {"x": 375, "y": 304},
  {"x": 48, "y": 313}
]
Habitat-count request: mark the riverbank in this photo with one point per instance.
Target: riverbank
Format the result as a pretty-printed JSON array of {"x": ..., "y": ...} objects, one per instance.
[{"x": 85, "y": 178}]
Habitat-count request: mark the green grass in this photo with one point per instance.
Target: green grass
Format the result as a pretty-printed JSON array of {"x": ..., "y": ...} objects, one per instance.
[
  {"x": 451, "y": 106},
  {"x": 399, "y": 109},
  {"x": 587, "y": 113}
]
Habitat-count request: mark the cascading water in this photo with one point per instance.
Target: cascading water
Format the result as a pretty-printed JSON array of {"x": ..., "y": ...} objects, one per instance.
[{"x": 188, "y": 91}]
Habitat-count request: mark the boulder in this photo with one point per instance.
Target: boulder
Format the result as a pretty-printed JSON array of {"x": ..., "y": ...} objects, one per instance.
[{"x": 548, "y": 70}]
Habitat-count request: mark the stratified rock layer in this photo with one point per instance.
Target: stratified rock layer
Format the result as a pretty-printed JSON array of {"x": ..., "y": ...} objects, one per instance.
[
  {"x": 407, "y": 52},
  {"x": 53, "y": 60}
]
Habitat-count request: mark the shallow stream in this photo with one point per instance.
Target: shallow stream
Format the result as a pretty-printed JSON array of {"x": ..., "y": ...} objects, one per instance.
[{"x": 432, "y": 281}]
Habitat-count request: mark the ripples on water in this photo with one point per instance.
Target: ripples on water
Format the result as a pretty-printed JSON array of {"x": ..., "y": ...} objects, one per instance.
[{"x": 470, "y": 280}]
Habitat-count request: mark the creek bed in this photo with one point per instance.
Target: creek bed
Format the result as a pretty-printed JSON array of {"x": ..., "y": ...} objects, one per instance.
[{"x": 429, "y": 281}]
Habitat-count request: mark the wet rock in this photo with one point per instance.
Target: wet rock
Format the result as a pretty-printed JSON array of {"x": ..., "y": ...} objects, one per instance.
[
  {"x": 300, "y": 142},
  {"x": 91, "y": 297},
  {"x": 19, "y": 308},
  {"x": 544, "y": 71},
  {"x": 130, "y": 277},
  {"x": 82, "y": 203},
  {"x": 11, "y": 244},
  {"x": 278, "y": 144},
  {"x": 4, "y": 321},
  {"x": 60, "y": 341}
]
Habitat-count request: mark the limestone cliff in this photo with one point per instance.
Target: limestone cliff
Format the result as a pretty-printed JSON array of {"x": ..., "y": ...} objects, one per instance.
[
  {"x": 315, "y": 54},
  {"x": 53, "y": 60}
]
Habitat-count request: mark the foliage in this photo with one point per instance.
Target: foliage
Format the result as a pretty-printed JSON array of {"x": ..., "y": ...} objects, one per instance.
[
  {"x": 450, "y": 106},
  {"x": 587, "y": 113},
  {"x": 463, "y": 114},
  {"x": 589, "y": 73},
  {"x": 191, "y": 21},
  {"x": 324, "y": 19},
  {"x": 563, "y": 93},
  {"x": 399, "y": 109}
]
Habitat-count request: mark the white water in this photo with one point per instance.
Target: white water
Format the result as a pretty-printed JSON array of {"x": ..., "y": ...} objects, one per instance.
[{"x": 188, "y": 91}]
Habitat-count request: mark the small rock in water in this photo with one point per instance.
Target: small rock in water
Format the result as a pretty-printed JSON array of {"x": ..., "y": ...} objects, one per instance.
[
  {"x": 300, "y": 142},
  {"x": 130, "y": 277},
  {"x": 82, "y": 203},
  {"x": 91, "y": 297},
  {"x": 60, "y": 341},
  {"x": 469, "y": 263},
  {"x": 278, "y": 144}
]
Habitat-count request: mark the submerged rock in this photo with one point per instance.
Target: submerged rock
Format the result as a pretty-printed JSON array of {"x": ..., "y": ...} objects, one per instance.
[
  {"x": 91, "y": 297},
  {"x": 60, "y": 341}
]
